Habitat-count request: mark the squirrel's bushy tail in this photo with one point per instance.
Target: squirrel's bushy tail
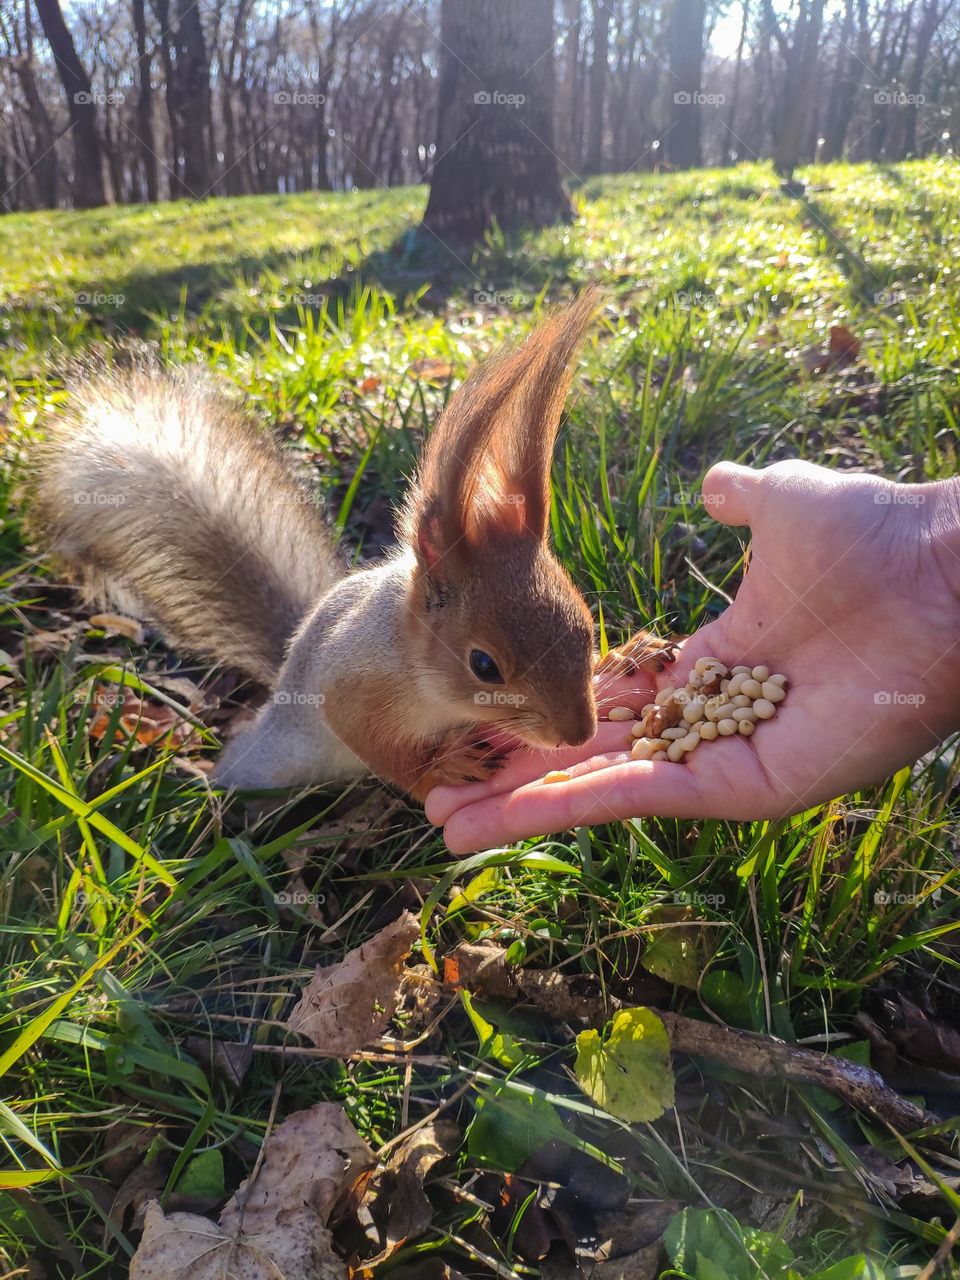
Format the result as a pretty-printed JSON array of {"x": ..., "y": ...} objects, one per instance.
[{"x": 170, "y": 503}]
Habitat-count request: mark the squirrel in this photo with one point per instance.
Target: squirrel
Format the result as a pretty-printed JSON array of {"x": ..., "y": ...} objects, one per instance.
[{"x": 176, "y": 508}]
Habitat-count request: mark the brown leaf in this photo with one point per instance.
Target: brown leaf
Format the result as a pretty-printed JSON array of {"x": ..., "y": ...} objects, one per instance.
[
  {"x": 228, "y": 1059},
  {"x": 432, "y": 369},
  {"x": 844, "y": 346},
  {"x": 842, "y": 349},
  {"x": 119, "y": 624},
  {"x": 399, "y": 1189},
  {"x": 925, "y": 1039},
  {"x": 52, "y": 642},
  {"x": 370, "y": 383},
  {"x": 275, "y": 1225},
  {"x": 144, "y": 721},
  {"x": 642, "y": 1265},
  {"x": 347, "y": 1005}
]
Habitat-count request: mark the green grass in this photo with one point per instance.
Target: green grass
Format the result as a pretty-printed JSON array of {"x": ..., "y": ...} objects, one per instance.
[{"x": 139, "y": 923}]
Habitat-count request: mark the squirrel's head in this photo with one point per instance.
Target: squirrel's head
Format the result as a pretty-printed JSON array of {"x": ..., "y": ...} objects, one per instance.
[{"x": 507, "y": 634}]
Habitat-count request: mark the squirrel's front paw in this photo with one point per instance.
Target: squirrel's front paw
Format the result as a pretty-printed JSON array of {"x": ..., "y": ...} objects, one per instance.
[
  {"x": 642, "y": 652},
  {"x": 465, "y": 760}
]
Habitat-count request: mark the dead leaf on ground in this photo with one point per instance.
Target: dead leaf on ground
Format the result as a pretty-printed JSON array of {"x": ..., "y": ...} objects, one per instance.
[
  {"x": 228, "y": 1059},
  {"x": 432, "y": 369},
  {"x": 642, "y": 1265},
  {"x": 842, "y": 349},
  {"x": 276, "y": 1223},
  {"x": 45, "y": 643},
  {"x": 144, "y": 721},
  {"x": 370, "y": 383},
  {"x": 119, "y": 624},
  {"x": 347, "y": 1005},
  {"x": 394, "y": 1206}
]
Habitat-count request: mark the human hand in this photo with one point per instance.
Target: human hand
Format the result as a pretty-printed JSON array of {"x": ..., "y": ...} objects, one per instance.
[{"x": 853, "y": 592}]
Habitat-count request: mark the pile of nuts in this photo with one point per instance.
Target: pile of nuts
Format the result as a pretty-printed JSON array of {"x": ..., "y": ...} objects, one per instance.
[{"x": 716, "y": 702}]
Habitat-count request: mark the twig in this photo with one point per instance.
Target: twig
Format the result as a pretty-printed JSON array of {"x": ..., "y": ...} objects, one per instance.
[{"x": 485, "y": 969}]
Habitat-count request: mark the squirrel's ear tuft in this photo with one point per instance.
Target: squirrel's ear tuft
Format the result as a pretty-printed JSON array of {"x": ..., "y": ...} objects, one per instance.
[{"x": 486, "y": 467}]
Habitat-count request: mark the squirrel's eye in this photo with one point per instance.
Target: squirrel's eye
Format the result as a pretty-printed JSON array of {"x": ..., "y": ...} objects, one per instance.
[{"x": 484, "y": 667}]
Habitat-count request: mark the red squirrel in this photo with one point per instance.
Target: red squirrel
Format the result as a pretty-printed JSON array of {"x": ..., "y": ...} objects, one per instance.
[{"x": 173, "y": 506}]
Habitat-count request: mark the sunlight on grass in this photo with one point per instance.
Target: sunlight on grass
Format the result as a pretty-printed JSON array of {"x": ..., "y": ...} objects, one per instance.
[{"x": 141, "y": 927}]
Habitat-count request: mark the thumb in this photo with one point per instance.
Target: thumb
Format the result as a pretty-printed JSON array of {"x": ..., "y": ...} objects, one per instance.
[{"x": 729, "y": 492}]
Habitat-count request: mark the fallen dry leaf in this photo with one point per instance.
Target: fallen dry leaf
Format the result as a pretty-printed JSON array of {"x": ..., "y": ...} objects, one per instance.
[
  {"x": 347, "y": 1005},
  {"x": 394, "y": 1197},
  {"x": 119, "y": 624},
  {"x": 275, "y": 1225},
  {"x": 144, "y": 721},
  {"x": 370, "y": 383},
  {"x": 842, "y": 349},
  {"x": 52, "y": 642},
  {"x": 432, "y": 369}
]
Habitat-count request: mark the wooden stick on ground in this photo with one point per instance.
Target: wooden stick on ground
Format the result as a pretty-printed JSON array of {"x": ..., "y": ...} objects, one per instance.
[{"x": 484, "y": 969}]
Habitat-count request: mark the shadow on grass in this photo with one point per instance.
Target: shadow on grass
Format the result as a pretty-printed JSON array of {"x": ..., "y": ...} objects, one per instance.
[{"x": 415, "y": 267}]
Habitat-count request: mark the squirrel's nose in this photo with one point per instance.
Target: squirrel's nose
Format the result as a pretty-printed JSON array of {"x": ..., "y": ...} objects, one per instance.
[{"x": 578, "y": 726}]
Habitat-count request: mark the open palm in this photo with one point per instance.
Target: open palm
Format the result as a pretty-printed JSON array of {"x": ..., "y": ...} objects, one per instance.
[{"x": 852, "y": 593}]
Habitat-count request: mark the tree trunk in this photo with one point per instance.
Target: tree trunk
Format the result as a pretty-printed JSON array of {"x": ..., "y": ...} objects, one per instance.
[
  {"x": 148, "y": 152},
  {"x": 598, "y": 84},
  {"x": 572, "y": 102},
  {"x": 495, "y": 150},
  {"x": 682, "y": 138},
  {"x": 193, "y": 98},
  {"x": 843, "y": 90},
  {"x": 43, "y": 162},
  {"x": 928, "y": 27},
  {"x": 171, "y": 97},
  {"x": 800, "y": 56},
  {"x": 88, "y": 186},
  {"x": 737, "y": 77}
]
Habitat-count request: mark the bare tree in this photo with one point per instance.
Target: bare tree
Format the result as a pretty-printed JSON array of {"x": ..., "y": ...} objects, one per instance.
[
  {"x": 88, "y": 185},
  {"x": 682, "y": 137},
  {"x": 600, "y": 29},
  {"x": 798, "y": 49}
]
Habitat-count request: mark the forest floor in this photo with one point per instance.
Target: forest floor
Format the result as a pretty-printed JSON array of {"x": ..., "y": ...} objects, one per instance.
[{"x": 153, "y": 942}]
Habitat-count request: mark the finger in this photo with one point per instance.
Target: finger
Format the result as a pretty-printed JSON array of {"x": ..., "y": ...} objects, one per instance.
[
  {"x": 522, "y": 767},
  {"x": 729, "y": 492},
  {"x": 631, "y": 789}
]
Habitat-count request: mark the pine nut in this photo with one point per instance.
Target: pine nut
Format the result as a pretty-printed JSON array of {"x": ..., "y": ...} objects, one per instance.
[
  {"x": 620, "y": 713},
  {"x": 664, "y": 695},
  {"x": 752, "y": 688},
  {"x": 746, "y": 727},
  {"x": 556, "y": 775},
  {"x": 741, "y": 671},
  {"x": 676, "y": 751},
  {"x": 744, "y": 713},
  {"x": 764, "y": 709},
  {"x": 674, "y": 735},
  {"x": 741, "y": 700},
  {"x": 761, "y": 673},
  {"x": 642, "y": 749},
  {"x": 637, "y": 729},
  {"x": 693, "y": 712},
  {"x": 708, "y": 730},
  {"x": 690, "y": 741},
  {"x": 726, "y": 727},
  {"x": 772, "y": 692},
  {"x": 736, "y": 684},
  {"x": 659, "y": 755},
  {"x": 782, "y": 681}
]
